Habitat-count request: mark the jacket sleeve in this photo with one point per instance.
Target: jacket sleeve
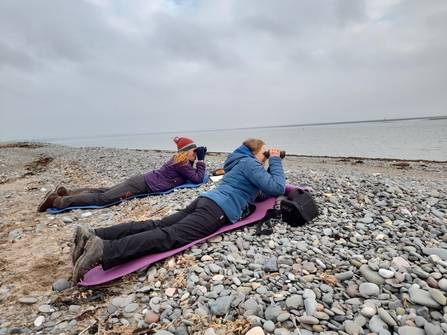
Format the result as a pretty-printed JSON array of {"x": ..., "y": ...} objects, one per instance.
[
  {"x": 271, "y": 184},
  {"x": 192, "y": 174}
]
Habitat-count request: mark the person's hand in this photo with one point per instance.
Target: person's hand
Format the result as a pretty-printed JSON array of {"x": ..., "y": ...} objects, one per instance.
[
  {"x": 200, "y": 151},
  {"x": 274, "y": 152}
]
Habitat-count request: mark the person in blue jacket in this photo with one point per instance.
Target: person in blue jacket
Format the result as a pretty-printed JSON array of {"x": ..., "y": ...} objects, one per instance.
[{"x": 244, "y": 181}]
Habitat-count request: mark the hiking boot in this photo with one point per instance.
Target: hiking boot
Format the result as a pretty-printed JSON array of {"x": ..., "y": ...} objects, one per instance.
[
  {"x": 61, "y": 191},
  {"x": 91, "y": 257},
  {"x": 48, "y": 201},
  {"x": 64, "y": 192},
  {"x": 81, "y": 236}
]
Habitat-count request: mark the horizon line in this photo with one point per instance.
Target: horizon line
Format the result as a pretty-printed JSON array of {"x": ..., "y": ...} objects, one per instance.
[{"x": 257, "y": 127}]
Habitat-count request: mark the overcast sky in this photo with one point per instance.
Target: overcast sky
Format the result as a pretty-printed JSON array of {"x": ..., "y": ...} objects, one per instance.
[{"x": 82, "y": 68}]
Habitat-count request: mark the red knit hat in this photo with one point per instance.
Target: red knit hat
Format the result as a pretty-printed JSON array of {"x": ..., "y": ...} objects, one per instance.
[{"x": 184, "y": 144}]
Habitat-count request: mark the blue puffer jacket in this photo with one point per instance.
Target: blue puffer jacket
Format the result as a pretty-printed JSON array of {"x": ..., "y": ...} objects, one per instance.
[{"x": 243, "y": 180}]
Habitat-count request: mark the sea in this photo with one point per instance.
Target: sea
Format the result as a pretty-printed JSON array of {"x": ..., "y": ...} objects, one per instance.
[{"x": 409, "y": 139}]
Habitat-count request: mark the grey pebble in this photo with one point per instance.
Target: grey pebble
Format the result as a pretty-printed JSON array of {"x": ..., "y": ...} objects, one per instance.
[
  {"x": 407, "y": 330},
  {"x": 28, "y": 300},
  {"x": 386, "y": 317},
  {"x": 369, "y": 289},
  {"x": 269, "y": 326},
  {"x": 46, "y": 309},
  {"x": 436, "y": 251},
  {"x": 344, "y": 275},
  {"x": 371, "y": 275},
  {"x": 61, "y": 285},
  {"x": 131, "y": 308},
  {"x": 422, "y": 297},
  {"x": 376, "y": 324},
  {"x": 221, "y": 306}
]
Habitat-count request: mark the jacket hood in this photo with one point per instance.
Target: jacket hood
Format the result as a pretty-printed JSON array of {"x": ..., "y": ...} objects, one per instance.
[{"x": 236, "y": 156}]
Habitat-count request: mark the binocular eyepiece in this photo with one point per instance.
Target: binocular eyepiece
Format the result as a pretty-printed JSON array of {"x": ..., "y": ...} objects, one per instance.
[
  {"x": 204, "y": 149},
  {"x": 282, "y": 154}
]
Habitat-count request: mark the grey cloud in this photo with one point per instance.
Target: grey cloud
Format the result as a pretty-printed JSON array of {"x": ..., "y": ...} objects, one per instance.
[
  {"x": 348, "y": 12},
  {"x": 76, "y": 68},
  {"x": 14, "y": 58}
]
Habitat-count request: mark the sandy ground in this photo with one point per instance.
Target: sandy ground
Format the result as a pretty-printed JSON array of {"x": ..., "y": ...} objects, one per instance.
[{"x": 31, "y": 262}]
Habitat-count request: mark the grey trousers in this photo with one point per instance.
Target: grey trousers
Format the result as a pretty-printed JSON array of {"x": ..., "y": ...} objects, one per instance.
[{"x": 133, "y": 186}]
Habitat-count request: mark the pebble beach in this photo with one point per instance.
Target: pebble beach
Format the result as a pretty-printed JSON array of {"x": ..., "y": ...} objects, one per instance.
[{"x": 373, "y": 262}]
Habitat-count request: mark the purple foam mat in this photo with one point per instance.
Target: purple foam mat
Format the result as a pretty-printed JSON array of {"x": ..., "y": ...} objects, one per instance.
[{"x": 98, "y": 276}]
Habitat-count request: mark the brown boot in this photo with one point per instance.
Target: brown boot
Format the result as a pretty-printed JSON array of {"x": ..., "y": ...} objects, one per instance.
[
  {"x": 91, "y": 257},
  {"x": 47, "y": 202},
  {"x": 81, "y": 236},
  {"x": 61, "y": 191}
]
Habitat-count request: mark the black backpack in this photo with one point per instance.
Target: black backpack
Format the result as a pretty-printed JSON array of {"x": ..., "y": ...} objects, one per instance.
[{"x": 297, "y": 209}]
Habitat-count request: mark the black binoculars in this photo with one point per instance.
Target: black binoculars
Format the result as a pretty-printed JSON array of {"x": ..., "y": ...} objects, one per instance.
[
  {"x": 203, "y": 150},
  {"x": 282, "y": 154}
]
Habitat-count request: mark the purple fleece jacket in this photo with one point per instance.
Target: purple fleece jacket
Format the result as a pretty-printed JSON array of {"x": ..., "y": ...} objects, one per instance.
[{"x": 171, "y": 175}]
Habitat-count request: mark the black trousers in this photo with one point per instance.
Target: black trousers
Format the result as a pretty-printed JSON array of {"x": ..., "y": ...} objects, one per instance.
[
  {"x": 127, "y": 241},
  {"x": 133, "y": 186}
]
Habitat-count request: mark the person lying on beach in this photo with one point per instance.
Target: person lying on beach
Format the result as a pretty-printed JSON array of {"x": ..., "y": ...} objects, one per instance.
[
  {"x": 244, "y": 181},
  {"x": 174, "y": 172}
]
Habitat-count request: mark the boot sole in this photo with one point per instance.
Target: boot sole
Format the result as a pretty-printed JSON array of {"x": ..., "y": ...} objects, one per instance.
[
  {"x": 76, "y": 241},
  {"x": 89, "y": 248},
  {"x": 43, "y": 202}
]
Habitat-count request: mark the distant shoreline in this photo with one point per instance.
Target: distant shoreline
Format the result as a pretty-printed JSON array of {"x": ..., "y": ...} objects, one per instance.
[
  {"x": 33, "y": 145},
  {"x": 365, "y": 121},
  {"x": 226, "y": 129}
]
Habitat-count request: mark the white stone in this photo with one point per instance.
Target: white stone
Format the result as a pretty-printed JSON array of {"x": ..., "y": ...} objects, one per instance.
[
  {"x": 255, "y": 331},
  {"x": 386, "y": 273},
  {"x": 39, "y": 320}
]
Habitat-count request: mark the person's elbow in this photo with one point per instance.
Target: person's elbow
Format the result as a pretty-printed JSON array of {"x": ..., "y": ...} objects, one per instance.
[
  {"x": 273, "y": 191},
  {"x": 198, "y": 178},
  {"x": 278, "y": 188}
]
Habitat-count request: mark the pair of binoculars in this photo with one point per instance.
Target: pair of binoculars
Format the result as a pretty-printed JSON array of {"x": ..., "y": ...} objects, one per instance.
[
  {"x": 203, "y": 150},
  {"x": 282, "y": 154}
]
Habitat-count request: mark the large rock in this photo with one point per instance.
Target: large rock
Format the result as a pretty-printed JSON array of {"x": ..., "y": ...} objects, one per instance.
[
  {"x": 221, "y": 306},
  {"x": 423, "y": 298},
  {"x": 371, "y": 275}
]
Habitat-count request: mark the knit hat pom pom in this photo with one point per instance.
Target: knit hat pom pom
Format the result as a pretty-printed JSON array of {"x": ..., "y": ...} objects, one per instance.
[{"x": 184, "y": 144}]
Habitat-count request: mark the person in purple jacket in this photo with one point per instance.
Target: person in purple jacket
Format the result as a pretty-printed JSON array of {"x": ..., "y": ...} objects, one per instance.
[{"x": 174, "y": 172}]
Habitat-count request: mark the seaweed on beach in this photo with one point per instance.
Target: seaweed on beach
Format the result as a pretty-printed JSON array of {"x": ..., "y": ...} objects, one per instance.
[
  {"x": 98, "y": 296},
  {"x": 28, "y": 145},
  {"x": 38, "y": 166},
  {"x": 402, "y": 165}
]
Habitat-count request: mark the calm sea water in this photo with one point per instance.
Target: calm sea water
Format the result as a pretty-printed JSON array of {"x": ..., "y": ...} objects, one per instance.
[{"x": 423, "y": 139}]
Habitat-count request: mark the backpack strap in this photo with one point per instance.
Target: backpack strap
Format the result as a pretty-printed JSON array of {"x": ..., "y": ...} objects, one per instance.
[
  {"x": 271, "y": 214},
  {"x": 249, "y": 210}
]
